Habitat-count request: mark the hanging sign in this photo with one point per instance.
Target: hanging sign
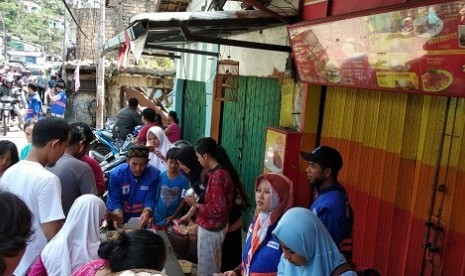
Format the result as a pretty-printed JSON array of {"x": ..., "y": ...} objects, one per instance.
[{"x": 415, "y": 50}]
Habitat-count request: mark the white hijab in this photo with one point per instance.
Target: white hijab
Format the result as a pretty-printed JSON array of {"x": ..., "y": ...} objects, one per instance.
[
  {"x": 78, "y": 240},
  {"x": 164, "y": 146}
]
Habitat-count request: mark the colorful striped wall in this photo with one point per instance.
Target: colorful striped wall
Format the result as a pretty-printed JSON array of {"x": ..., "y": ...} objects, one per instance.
[
  {"x": 404, "y": 164},
  {"x": 197, "y": 67}
]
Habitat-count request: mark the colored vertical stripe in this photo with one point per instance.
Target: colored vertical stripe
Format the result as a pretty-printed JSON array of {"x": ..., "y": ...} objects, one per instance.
[{"x": 398, "y": 150}]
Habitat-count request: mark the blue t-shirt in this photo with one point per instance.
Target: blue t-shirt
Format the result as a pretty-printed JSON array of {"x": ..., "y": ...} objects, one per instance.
[{"x": 169, "y": 196}]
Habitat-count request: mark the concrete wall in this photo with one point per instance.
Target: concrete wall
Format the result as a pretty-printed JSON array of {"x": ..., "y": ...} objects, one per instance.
[
  {"x": 259, "y": 63},
  {"x": 78, "y": 108}
]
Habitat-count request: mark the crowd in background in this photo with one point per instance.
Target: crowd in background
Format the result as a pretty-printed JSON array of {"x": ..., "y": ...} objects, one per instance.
[{"x": 34, "y": 96}]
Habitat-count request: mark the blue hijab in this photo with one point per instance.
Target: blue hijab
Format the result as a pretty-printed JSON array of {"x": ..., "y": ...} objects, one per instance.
[{"x": 302, "y": 231}]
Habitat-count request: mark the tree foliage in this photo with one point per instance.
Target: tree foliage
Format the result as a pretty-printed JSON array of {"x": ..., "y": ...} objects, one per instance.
[{"x": 34, "y": 27}]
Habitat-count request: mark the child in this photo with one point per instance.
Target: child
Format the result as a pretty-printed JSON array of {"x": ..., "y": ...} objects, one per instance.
[
  {"x": 172, "y": 183},
  {"x": 34, "y": 109}
]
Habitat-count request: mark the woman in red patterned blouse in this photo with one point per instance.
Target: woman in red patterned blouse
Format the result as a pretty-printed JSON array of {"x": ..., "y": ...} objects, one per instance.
[{"x": 212, "y": 216}]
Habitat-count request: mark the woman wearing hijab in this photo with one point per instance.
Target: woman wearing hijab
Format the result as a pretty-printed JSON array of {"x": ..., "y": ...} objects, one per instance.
[
  {"x": 159, "y": 146},
  {"x": 77, "y": 243},
  {"x": 273, "y": 195},
  {"x": 188, "y": 163},
  {"x": 307, "y": 246}
]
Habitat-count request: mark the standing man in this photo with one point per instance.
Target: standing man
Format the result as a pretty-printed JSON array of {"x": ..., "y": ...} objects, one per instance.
[
  {"x": 127, "y": 119},
  {"x": 39, "y": 188},
  {"x": 76, "y": 177},
  {"x": 58, "y": 106},
  {"x": 332, "y": 204},
  {"x": 42, "y": 84},
  {"x": 133, "y": 188}
]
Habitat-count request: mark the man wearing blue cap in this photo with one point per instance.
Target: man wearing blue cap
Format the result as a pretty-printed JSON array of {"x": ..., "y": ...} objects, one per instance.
[{"x": 331, "y": 204}]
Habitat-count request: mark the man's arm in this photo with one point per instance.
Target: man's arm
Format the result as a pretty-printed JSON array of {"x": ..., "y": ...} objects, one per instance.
[
  {"x": 50, "y": 208},
  {"x": 56, "y": 97},
  {"x": 114, "y": 193},
  {"x": 88, "y": 184},
  {"x": 51, "y": 228},
  {"x": 137, "y": 119}
]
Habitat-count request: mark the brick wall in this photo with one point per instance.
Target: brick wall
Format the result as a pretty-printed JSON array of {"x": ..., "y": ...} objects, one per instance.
[{"x": 117, "y": 16}]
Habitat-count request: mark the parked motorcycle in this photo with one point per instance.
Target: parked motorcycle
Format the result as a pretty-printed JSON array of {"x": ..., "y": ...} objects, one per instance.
[
  {"x": 6, "y": 109},
  {"x": 105, "y": 147}
]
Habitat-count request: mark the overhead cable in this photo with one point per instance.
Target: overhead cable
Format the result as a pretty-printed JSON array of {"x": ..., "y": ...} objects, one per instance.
[{"x": 74, "y": 19}]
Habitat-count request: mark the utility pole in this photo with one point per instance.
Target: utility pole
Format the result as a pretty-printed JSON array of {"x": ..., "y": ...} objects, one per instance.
[
  {"x": 65, "y": 44},
  {"x": 5, "y": 43},
  {"x": 100, "y": 95}
]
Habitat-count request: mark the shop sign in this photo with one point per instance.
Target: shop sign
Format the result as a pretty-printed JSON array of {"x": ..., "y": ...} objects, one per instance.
[{"x": 415, "y": 50}]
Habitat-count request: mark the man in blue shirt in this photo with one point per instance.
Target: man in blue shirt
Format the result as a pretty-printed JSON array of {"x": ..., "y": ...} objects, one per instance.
[
  {"x": 331, "y": 204},
  {"x": 133, "y": 188}
]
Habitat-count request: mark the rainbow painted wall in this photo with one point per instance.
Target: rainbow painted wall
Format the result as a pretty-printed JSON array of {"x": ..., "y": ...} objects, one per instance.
[{"x": 404, "y": 164}]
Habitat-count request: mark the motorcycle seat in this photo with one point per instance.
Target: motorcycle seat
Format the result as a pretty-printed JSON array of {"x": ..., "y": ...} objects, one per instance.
[{"x": 108, "y": 136}]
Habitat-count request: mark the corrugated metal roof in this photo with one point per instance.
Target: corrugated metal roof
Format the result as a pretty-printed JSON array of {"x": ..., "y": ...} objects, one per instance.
[{"x": 172, "y": 29}]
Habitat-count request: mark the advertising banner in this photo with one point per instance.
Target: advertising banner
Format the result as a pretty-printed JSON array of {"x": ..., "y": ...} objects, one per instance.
[{"x": 415, "y": 50}]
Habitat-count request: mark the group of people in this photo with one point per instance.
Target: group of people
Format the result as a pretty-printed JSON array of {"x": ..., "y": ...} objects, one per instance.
[
  {"x": 57, "y": 184},
  {"x": 30, "y": 94},
  {"x": 280, "y": 240},
  {"x": 51, "y": 225},
  {"x": 129, "y": 117}
]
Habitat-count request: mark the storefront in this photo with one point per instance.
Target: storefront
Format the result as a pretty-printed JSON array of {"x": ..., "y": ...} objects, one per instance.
[{"x": 392, "y": 88}]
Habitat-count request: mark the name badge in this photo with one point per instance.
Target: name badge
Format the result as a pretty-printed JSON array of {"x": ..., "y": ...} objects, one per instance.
[
  {"x": 273, "y": 244},
  {"x": 125, "y": 189},
  {"x": 144, "y": 188}
]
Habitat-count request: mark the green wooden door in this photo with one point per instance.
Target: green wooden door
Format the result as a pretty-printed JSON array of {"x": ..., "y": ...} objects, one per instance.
[
  {"x": 244, "y": 126},
  {"x": 194, "y": 106}
]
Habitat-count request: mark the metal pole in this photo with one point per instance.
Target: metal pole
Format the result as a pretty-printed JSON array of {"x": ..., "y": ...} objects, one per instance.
[
  {"x": 65, "y": 44},
  {"x": 100, "y": 95},
  {"x": 5, "y": 43}
]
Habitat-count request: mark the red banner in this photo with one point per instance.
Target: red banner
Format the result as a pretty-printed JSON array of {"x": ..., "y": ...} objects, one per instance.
[{"x": 415, "y": 50}]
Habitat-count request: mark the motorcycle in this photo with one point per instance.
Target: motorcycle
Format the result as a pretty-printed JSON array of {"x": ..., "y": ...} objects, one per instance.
[
  {"x": 105, "y": 147},
  {"x": 6, "y": 109}
]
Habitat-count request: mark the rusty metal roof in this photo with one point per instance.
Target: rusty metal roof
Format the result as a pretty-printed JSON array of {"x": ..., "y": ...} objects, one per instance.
[{"x": 168, "y": 30}]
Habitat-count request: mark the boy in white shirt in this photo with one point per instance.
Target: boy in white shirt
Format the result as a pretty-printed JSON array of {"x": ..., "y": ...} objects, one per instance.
[{"x": 39, "y": 188}]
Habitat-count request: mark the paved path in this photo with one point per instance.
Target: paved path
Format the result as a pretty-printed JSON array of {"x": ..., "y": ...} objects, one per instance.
[{"x": 16, "y": 136}]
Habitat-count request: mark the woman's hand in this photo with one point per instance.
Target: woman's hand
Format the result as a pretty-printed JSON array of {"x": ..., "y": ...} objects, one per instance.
[
  {"x": 229, "y": 273},
  {"x": 191, "y": 201},
  {"x": 159, "y": 155},
  {"x": 145, "y": 218}
]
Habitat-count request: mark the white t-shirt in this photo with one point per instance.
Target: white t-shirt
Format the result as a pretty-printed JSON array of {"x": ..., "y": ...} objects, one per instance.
[{"x": 41, "y": 191}]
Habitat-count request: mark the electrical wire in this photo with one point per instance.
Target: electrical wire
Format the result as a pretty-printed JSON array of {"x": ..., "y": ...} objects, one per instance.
[{"x": 72, "y": 16}]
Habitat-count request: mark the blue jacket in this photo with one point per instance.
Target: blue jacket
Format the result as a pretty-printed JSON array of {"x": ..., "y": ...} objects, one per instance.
[
  {"x": 131, "y": 194},
  {"x": 333, "y": 209},
  {"x": 266, "y": 258},
  {"x": 35, "y": 107},
  {"x": 58, "y": 107}
]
